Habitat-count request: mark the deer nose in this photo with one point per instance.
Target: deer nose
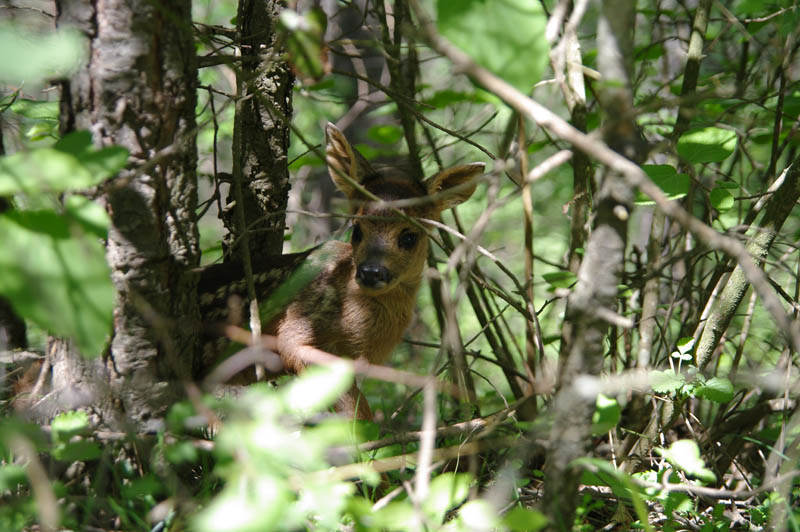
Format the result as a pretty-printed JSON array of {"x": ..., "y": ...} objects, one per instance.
[{"x": 372, "y": 275}]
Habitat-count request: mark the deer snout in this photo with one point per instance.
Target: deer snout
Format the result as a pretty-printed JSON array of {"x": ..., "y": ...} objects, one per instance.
[{"x": 372, "y": 275}]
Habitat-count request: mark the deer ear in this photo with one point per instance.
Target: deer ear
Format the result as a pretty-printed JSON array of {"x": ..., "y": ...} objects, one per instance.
[
  {"x": 343, "y": 159},
  {"x": 454, "y": 185}
]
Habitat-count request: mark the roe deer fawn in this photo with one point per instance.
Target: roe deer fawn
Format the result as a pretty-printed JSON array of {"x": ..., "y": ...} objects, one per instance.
[{"x": 363, "y": 297}]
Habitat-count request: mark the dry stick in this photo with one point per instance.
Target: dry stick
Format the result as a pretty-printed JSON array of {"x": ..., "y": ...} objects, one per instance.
[
  {"x": 362, "y": 367},
  {"x": 630, "y": 171},
  {"x": 427, "y": 440}
]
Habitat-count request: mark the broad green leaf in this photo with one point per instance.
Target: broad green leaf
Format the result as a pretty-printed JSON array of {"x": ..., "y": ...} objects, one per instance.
[
  {"x": 562, "y": 279},
  {"x": 90, "y": 215},
  {"x": 69, "y": 424},
  {"x": 685, "y": 345},
  {"x": 32, "y": 57},
  {"x": 35, "y": 109},
  {"x": 685, "y": 455},
  {"x": 721, "y": 198},
  {"x": 41, "y": 170},
  {"x": 75, "y": 143},
  {"x": 446, "y": 491},
  {"x": 12, "y": 476},
  {"x": 69, "y": 165},
  {"x": 478, "y": 514},
  {"x": 318, "y": 388},
  {"x": 505, "y": 36},
  {"x": 56, "y": 275},
  {"x": 717, "y": 389},
  {"x": 520, "y": 519},
  {"x": 606, "y": 415},
  {"x": 673, "y": 184},
  {"x": 252, "y": 506},
  {"x": 666, "y": 381},
  {"x": 399, "y": 515},
  {"x": 77, "y": 451},
  {"x": 706, "y": 145},
  {"x": 619, "y": 482}
]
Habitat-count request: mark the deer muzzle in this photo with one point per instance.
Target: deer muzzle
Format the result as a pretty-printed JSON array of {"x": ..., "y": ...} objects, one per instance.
[{"x": 373, "y": 275}]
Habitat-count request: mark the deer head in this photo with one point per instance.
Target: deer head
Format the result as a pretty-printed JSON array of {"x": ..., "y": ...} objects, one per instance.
[{"x": 389, "y": 246}]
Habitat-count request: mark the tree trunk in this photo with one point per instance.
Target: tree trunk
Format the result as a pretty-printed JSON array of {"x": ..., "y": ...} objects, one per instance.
[
  {"x": 592, "y": 305},
  {"x": 260, "y": 133},
  {"x": 138, "y": 90}
]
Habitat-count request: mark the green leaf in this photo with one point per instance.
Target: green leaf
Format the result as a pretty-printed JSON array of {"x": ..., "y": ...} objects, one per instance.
[
  {"x": 666, "y": 381},
  {"x": 11, "y": 477},
  {"x": 318, "y": 388},
  {"x": 41, "y": 170},
  {"x": 606, "y": 415},
  {"x": 399, "y": 515},
  {"x": 721, "y": 199},
  {"x": 505, "y": 36},
  {"x": 685, "y": 455},
  {"x": 32, "y": 57},
  {"x": 717, "y": 389},
  {"x": 252, "y": 506},
  {"x": 685, "y": 345},
  {"x": 69, "y": 424},
  {"x": 77, "y": 451},
  {"x": 673, "y": 184},
  {"x": 478, "y": 514},
  {"x": 35, "y": 109},
  {"x": 524, "y": 520},
  {"x": 446, "y": 491},
  {"x": 56, "y": 276},
  {"x": 385, "y": 134},
  {"x": 70, "y": 164},
  {"x": 561, "y": 279},
  {"x": 707, "y": 145}
]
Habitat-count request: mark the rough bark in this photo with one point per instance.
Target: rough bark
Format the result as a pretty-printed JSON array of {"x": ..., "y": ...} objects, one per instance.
[
  {"x": 592, "y": 304},
  {"x": 261, "y": 131},
  {"x": 137, "y": 90}
]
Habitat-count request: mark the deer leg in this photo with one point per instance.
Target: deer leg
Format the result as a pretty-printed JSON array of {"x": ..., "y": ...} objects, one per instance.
[{"x": 353, "y": 404}]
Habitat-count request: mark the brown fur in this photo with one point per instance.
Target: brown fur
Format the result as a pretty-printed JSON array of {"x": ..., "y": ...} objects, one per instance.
[{"x": 364, "y": 316}]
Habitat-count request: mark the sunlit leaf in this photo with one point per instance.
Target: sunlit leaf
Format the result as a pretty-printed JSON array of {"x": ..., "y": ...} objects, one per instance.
[
  {"x": 707, "y": 145},
  {"x": 606, "y": 415},
  {"x": 77, "y": 451},
  {"x": 478, "y": 514},
  {"x": 71, "y": 164},
  {"x": 666, "y": 381},
  {"x": 685, "y": 455},
  {"x": 35, "y": 109},
  {"x": 12, "y": 476},
  {"x": 721, "y": 198},
  {"x": 446, "y": 491},
  {"x": 56, "y": 275},
  {"x": 673, "y": 184},
  {"x": 520, "y": 519},
  {"x": 318, "y": 388},
  {"x": 560, "y": 279},
  {"x": 505, "y": 36},
  {"x": 68, "y": 424},
  {"x": 718, "y": 389},
  {"x": 31, "y": 57}
]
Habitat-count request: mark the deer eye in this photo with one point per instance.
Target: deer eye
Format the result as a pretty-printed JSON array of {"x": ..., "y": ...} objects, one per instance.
[
  {"x": 357, "y": 234},
  {"x": 408, "y": 240}
]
